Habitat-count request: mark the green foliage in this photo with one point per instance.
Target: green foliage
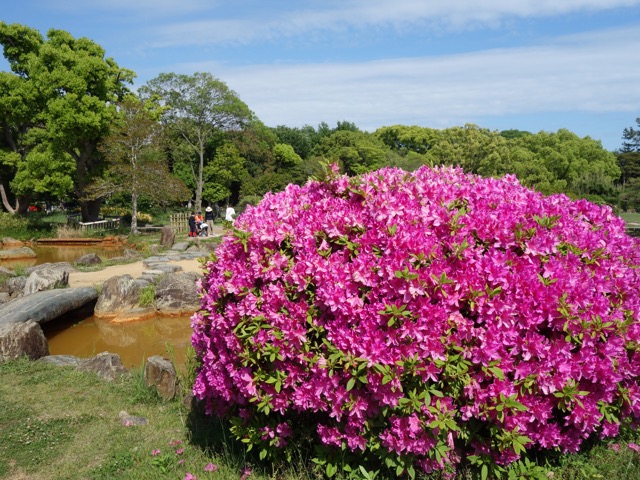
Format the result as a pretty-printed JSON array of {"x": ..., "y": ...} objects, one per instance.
[
  {"x": 60, "y": 102},
  {"x": 198, "y": 108},
  {"x": 147, "y": 296},
  {"x": 226, "y": 167},
  {"x": 356, "y": 152}
]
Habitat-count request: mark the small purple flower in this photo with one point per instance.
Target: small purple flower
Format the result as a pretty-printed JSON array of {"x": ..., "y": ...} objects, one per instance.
[
  {"x": 211, "y": 467},
  {"x": 635, "y": 447},
  {"x": 190, "y": 476}
]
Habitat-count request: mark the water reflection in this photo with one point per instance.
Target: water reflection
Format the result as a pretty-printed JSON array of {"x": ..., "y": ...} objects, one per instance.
[
  {"x": 63, "y": 253},
  {"x": 134, "y": 342}
]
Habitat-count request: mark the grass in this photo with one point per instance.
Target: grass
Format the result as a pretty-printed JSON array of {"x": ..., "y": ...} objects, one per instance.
[
  {"x": 630, "y": 217},
  {"x": 60, "y": 424}
]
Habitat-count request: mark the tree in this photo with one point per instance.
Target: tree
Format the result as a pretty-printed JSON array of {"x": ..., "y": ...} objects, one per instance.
[
  {"x": 357, "y": 152},
  {"x": 65, "y": 90},
  {"x": 226, "y": 167},
  {"x": 199, "y": 107},
  {"x": 136, "y": 160},
  {"x": 631, "y": 138}
]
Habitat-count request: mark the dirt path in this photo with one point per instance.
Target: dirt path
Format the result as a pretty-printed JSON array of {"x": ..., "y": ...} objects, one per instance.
[{"x": 91, "y": 279}]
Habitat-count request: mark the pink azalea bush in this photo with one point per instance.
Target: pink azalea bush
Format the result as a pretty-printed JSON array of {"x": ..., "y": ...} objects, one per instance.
[{"x": 419, "y": 320}]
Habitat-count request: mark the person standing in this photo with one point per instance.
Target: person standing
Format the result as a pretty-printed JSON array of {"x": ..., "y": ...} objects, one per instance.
[
  {"x": 228, "y": 216},
  {"x": 192, "y": 225},
  {"x": 208, "y": 217}
]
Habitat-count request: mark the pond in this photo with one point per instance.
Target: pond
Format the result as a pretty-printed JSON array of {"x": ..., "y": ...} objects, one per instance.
[
  {"x": 134, "y": 341},
  {"x": 80, "y": 334},
  {"x": 63, "y": 253}
]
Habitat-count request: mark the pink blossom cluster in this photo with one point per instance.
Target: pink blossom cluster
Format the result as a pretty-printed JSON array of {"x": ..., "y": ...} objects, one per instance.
[{"x": 429, "y": 315}]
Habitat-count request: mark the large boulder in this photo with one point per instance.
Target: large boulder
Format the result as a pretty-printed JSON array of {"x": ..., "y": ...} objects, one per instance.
[
  {"x": 47, "y": 305},
  {"x": 46, "y": 279},
  {"x": 167, "y": 237},
  {"x": 14, "y": 253},
  {"x": 8, "y": 242},
  {"x": 89, "y": 259},
  {"x": 63, "y": 266},
  {"x": 106, "y": 365},
  {"x": 161, "y": 374},
  {"x": 22, "y": 339},
  {"x": 119, "y": 299},
  {"x": 176, "y": 294}
]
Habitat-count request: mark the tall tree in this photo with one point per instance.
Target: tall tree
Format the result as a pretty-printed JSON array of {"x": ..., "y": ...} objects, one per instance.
[
  {"x": 67, "y": 89},
  {"x": 199, "y": 107},
  {"x": 136, "y": 163}
]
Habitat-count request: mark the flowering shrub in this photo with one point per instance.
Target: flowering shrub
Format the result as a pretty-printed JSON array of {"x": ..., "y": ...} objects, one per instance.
[{"x": 421, "y": 320}]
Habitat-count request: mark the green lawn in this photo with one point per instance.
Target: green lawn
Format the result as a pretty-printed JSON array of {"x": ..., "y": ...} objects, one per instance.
[{"x": 60, "y": 424}]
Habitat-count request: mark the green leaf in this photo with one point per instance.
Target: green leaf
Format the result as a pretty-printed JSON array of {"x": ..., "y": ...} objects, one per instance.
[{"x": 351, "y": 383}]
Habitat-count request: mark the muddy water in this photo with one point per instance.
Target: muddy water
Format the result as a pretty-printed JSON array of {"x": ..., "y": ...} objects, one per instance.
[
  {"x": 66, "y": 253},
  {"x": 80, "y": 334},
  {"x": 134, "y": 342}
]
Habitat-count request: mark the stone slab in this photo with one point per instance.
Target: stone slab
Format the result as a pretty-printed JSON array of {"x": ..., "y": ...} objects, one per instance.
[{"x": 42, "y": 307}]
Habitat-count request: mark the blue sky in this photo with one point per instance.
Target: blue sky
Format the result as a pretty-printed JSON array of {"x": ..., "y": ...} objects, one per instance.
[{"x": 501, "y": 64}]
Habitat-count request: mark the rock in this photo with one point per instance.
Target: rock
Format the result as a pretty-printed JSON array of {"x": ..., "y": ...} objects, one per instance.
[
  {"x": 161, "y": 374},
  {"x": 8, "y": 243},
  {"x": 22, "y": 252},
  {"x": 132, "y": 420},
  {"x": 176, "y": 294},
  {"x": 63, "y": 360},
  {"x": 14, "y": 286},
  {"x": 4, "y": 297},
  {"x": 165, "y": 268},
  {"x": 6, "y": 272},
  {"x": 22, "y": 339},
  {"x": 156, "y": 259},
  {"x": 46, "y": 279},
  {"x": 118, "y": 294},
  {"x": 89, "y": 259},
  {"x": 106, "y": 365},
  {"x": 63, "y": 266},
  {"x": 180, "y": 246},
  {"x": 42, "y": 307},
  {"x": 167, "y": 237},
  {"x": 130, "y": 253}
]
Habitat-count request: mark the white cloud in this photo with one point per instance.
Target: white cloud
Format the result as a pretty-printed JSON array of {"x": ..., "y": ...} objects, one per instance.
[
  {"x": 290, "y": 21},
  {"x": 588, "y": 73}
]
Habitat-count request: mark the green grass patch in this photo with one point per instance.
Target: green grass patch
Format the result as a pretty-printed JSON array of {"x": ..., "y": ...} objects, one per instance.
[
  {"x": 147, "y": 296},
  {"x": 60, "y": 424}
]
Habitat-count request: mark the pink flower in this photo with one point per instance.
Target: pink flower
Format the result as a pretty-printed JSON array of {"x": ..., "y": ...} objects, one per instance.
[
  {"x": 190, "y": 476},
  {"x": 343, "y": 299},
  {"x": 634, "y": 447},
  {"x": 175, "y": 443},
  {"x": 211, "y": 467},
  {"x": 615, "y": 447},
  {"x": 155, "y": 452},
  {"x": 180, "y": 451},
  {"x": 246, "y": 473},
  {"x": 181, "y": 461}
]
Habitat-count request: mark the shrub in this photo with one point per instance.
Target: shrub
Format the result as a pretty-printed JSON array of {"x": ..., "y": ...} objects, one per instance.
[{"x": 421, "y": 321}]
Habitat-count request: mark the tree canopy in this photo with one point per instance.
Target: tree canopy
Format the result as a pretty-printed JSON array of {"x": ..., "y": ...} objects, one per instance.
[
  {"x": 199, "y": 107},
  {"x": 61, "y": 92}
]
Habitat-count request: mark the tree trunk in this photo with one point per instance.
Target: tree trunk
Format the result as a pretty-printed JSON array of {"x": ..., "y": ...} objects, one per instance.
[
  {"x": 86, "y": 168},
  {"x": 199, "y": 181},
  {"x": 90, "y": 210},
  {"x": 5, "y": 201},
  {"x": 134, "y": 213}
]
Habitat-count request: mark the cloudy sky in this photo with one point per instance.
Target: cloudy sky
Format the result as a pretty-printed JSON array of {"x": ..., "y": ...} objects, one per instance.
[{"x": 501, "y": 64}]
